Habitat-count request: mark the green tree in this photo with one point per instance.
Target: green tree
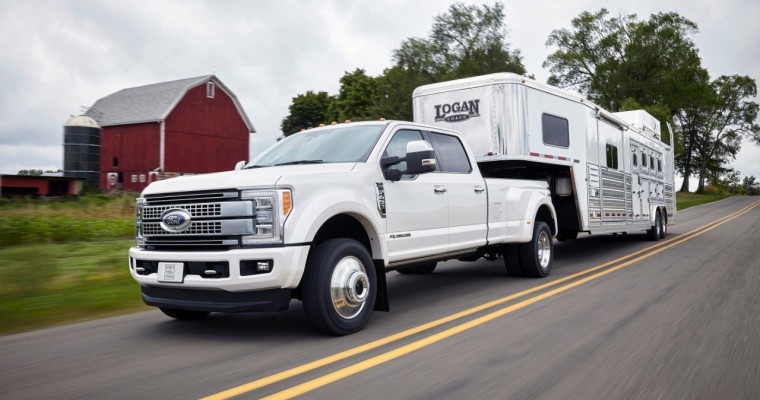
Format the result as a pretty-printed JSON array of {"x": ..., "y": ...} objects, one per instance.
[
  {"x": 750, "y": 185},
  {"x": 356, "y": 98},
  {"x": 621, "y": 61},
  {"x": 730, "y": 119},
  {"x": 307, "y": 111},
  {"x": 466, "y": 41},
  {"x": 30, "y": 172}
]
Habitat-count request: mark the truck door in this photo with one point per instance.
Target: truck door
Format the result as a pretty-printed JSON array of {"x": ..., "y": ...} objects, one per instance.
[
  {"x": 417, "y": 214},
  {"x": 466, "y": 191}
]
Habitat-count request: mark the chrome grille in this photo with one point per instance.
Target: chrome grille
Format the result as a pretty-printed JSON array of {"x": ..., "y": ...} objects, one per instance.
[
  {"x": 195, "y": 228},
  {"x": 195, "y": 210}
]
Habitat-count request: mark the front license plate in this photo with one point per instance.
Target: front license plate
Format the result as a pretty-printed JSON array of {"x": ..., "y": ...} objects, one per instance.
[{"x": 171, "y": 272}]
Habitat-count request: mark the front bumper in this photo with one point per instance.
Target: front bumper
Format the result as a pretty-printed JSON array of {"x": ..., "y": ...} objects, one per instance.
[{"x": 288, "y": 266}]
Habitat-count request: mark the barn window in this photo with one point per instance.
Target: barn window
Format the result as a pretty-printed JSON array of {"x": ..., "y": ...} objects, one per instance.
[
  {"x": 134, "y": 178},
  {"x": 612, "y": 157},
  {"x": 210, "y": 90},
  {"x": 555, "y": 130}
]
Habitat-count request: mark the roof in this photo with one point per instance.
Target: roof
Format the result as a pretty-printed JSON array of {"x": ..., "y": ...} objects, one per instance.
[
  {"x": 83, "y": 121},
  {"x": 152, "y": 103}
]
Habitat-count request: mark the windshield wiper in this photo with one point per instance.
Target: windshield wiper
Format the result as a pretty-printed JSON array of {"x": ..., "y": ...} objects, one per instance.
[
  {"x": 300, "y": 162},
  {"x": 255, "y": 166}
]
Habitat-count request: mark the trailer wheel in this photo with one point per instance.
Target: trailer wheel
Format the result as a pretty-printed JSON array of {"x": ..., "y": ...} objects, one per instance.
[
  {"x": 536, "y": 255},
  {"x": 184, "y": 315},
  {"x": 339, "y": 287},
  {"x": 418, "y": 269},
  {"x": 654, "y": 232},
  {"x": 663, "y": 226},
  {"x": 511, "y": 260}
]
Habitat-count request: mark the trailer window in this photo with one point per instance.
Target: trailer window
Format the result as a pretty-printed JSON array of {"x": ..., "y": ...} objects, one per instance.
[
  {"x": 651, "y": 163},
  {"x": 612, "y": 156},
  {"x": 451, "y": 156},
  {"x": 635, "y": 160},
  {"x": 643, "y": 160},
  {"x": 556, "y": 131},
  {"x": 659, "y": 165}
]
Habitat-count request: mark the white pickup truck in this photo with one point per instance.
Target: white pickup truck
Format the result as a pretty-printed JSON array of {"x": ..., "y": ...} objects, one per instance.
[{"x": 322, "y": 216}]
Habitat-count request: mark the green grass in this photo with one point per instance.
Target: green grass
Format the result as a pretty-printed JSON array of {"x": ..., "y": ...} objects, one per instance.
[
  {"x": 50, "y": 284},
  {"x": 686, "y": 200}
]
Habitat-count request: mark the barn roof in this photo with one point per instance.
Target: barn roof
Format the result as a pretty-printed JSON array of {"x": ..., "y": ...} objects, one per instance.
[{"x": 152, "y": 103}]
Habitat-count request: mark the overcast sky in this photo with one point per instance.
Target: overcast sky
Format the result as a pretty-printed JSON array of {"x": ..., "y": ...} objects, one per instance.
[{"x": 58, "y": 56}]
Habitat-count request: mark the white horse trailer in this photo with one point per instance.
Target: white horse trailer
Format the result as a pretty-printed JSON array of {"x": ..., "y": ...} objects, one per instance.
[{"x": 609, "y": 172}]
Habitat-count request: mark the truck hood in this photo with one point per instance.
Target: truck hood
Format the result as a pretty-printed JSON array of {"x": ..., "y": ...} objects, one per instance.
[{"x": 242, "y": 179}]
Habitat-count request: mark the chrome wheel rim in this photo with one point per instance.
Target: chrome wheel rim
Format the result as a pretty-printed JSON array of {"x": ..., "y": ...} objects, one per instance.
[
  {"x": 349, "y": 287},
  {"x": 543, "y": 249}
]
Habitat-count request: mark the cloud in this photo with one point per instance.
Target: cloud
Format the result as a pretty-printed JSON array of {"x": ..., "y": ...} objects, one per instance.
[{"x": 59, "y": 55}]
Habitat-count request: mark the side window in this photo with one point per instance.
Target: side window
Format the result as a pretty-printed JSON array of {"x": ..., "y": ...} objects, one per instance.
[
  {"x": 643, "y": 160},
  {"x": 635, "y": 159},
  {"x": 556, "y": 131},
  {"x": 651, "y": 163},
  {"x": 397, "y": 145},
  {"x": 612, "y": 157},
  {"x": 451, "y": 154},
  {"x": 659, "y": 165}
]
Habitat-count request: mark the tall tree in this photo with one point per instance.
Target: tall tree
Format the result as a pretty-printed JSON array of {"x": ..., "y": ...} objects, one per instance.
[
  {"x": 730, "y": 119},
  {"x": 307, "y": 111},
  {"x": 356, "y": 98}
]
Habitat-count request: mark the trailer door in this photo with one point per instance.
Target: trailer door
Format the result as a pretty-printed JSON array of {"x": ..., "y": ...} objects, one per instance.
[{"x": 636, "y": 184}]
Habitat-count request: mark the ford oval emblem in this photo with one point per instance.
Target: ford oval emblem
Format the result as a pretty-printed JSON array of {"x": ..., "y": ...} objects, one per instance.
[{"x": 175, "y": 220}]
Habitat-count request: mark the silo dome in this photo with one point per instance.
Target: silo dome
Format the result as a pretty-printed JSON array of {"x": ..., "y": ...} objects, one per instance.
[
  {"x": 82, "y": 120},
  {"x": 81, "y": 149}
]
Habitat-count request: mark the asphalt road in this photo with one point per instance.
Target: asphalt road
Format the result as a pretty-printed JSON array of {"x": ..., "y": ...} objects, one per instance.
[{"x": 680, "y": 319}]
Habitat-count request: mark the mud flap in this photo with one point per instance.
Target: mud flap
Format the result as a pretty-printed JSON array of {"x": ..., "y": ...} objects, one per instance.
[{"x": 381, "y": 300}]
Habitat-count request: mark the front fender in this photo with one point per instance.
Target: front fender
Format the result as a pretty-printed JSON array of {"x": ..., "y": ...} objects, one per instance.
[{"x": 310, "y": 213}]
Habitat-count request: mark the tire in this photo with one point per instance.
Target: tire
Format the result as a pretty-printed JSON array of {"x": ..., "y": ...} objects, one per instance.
[
  {"x": 511, "y": 260},
  {"x": 184, "y": 315},
  {"x": 536, "y": 256},
  {"x": 564, "y": 236},
  {"x": 418, "y": 269},
  {"x": 339, "y": 287},
  {"x": 663, "y": 227},
  {"x": 654, "y": 233}
]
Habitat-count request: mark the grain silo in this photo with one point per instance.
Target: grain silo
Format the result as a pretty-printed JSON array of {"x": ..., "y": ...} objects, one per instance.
[{"x": 81, "y": 149}]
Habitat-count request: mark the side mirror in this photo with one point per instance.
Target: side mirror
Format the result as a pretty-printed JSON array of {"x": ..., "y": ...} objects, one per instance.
[
  {"x": 420, "y": 157},
  {"x": 239, "y": 165}
]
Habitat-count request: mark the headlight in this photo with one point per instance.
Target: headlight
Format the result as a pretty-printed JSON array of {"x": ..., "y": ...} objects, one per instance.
[
  {"x": 138, "y": 222},
  {"x": 271, "y": 208}
]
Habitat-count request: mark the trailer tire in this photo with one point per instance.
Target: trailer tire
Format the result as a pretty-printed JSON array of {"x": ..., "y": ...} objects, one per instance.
[
  {"x": 424, "y": 269},
  {"x": 511, "y": 260},
  {"x": 654, "y": 232},
  {"x": 184, "y": 315},
  {"x": 664, "y": 226},
  {"x": 339, "y": 287},
  {"x": 536, "y": 256}
]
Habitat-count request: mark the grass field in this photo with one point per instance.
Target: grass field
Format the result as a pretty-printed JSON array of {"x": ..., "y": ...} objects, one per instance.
[
  {"x": 65, "y": 262},
  {"x": 686, "y": 200}
]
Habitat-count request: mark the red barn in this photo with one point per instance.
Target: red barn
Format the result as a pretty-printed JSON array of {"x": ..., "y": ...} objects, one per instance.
[{"x": 188, "y": 126}]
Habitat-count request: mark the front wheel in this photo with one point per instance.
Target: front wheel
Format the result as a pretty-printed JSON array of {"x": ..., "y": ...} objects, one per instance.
[
  {"x": 536, "y": 256},
  {"x": 339, "y": 287}
]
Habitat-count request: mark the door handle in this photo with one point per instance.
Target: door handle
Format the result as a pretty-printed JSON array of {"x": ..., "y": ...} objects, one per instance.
[
  {"x": 439, "y": 188},
  {"x": 479, "y": 189}
]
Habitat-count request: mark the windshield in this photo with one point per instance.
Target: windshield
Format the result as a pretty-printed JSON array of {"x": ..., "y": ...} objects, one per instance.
[{"x": 333, "y": 145}]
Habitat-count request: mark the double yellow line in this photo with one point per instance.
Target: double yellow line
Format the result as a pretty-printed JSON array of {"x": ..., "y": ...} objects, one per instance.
[{"x": 306, "y": 387}]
